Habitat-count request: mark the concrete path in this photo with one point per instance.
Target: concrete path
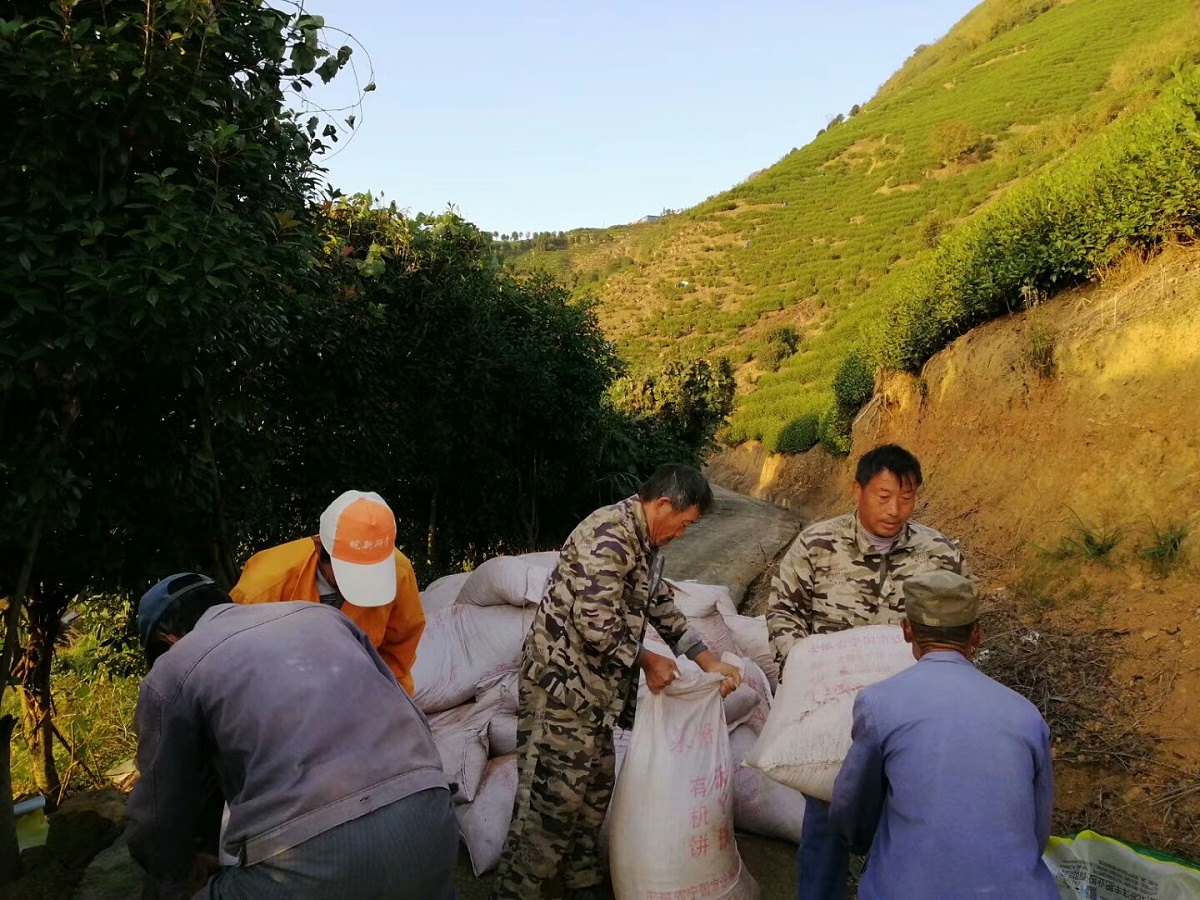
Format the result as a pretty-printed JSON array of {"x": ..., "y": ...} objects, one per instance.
[{"x": 733, "y": 543}]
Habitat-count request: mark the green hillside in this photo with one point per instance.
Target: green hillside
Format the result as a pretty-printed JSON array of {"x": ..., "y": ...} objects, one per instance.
[{"x": 815, "y": 243}]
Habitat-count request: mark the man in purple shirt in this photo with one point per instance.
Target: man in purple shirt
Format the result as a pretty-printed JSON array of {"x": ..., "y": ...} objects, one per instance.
[
  {"x": 949, "y": 778},
  {"x": 287, "y": 712}
]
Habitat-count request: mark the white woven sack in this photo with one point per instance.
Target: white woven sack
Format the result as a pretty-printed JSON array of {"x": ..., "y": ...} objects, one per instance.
[
  {"x": 498, "y": 695},
  {"x": 752, "y": 638},
  {"x": 502, "y": 734},
  {"x": 760, "y": 805},
  {"x": 505, "y": 580},
  {"x": 807, "y": 735},
  {"x": 442, "y": 593},
  {"x": 620, "y": 749},
  {"x": 750, "y": 704},
  {"x": 461, "y": 738},
  {"x": 701, "y": 612},
  {"x": 696, "y": 600},
  {"x": 740, "y": 705},
  {"x": 672, "y": 829},
  {"x": 547, "y": 559},
  {"x": 484, "y": 822},
  {"x": 655, "y": 644},
  {"x": 461, "y": 647},
  {"x": 715, "y": 634}
]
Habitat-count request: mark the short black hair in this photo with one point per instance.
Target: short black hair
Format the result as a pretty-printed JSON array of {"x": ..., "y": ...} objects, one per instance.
[
  {"x": 684, "y": 486},
  {"x": 892, "y": 458},
  {"x": 181, "y": 617},
  {"x": 957, "y": 634}
]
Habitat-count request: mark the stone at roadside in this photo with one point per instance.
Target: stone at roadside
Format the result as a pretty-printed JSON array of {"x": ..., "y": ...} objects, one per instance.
[
  {"x": 112, "y": 875},
  {"x": 84, "y": 825}
]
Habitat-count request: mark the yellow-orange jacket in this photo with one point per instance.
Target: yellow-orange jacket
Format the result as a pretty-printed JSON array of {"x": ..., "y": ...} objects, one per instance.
[{"x": 289, "y": 572}]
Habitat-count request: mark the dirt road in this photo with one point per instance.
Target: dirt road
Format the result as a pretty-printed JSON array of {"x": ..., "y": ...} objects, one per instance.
[{"x": 733, "y": 543}]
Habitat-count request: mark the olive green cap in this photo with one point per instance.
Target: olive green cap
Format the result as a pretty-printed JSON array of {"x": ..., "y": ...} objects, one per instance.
[{"x": 940, "y": 599}]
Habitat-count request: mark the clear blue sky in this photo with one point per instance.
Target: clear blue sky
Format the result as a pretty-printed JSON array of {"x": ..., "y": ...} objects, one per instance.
[{"x": 536, "y": 115}]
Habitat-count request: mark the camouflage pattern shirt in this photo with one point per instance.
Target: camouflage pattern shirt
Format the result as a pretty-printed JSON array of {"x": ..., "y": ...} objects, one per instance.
[
  {"x": 831, "y": 579},
  {"x": 586, "y": 637}
]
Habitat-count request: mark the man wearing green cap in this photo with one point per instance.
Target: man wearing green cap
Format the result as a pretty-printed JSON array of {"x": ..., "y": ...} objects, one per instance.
[{"x": 949, "y": 779}]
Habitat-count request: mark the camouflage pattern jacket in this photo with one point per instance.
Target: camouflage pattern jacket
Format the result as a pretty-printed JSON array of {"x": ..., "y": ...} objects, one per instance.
[
  {"x": 831, "y": 579},
  {"x": 587, "y": 633}
]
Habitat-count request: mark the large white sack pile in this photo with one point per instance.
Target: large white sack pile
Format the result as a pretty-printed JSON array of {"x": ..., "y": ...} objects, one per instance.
[
  {"x": 706, "y": 606},
  {"x": 442, "y": 593},
  {"x": 463, "y": 646},
  {"x": 466, "y": 678},
  {"x": 807, "y": 736}
]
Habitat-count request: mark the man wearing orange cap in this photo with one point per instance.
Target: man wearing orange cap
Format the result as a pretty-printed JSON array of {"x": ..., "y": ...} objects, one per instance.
[{"x": 353, "y": 565}]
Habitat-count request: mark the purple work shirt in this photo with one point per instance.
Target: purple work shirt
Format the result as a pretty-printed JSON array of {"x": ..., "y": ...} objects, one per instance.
[{"x": 949, "y": 781}]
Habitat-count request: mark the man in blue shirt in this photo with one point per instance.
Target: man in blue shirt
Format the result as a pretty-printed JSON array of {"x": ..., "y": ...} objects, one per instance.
[{"x": 949, "y": 778}]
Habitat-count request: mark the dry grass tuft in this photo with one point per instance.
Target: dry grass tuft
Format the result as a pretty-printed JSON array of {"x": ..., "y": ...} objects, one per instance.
[
  {"x": 1121, "y": 784},
  {"x": 1067, "y": 676}
]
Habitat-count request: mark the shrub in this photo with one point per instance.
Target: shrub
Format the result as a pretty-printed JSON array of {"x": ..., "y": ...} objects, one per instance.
[
  {"x": 781, "y": 342},
  {"x": 853, "y": 386},
  {"x": 950, "y": 140},
  {"x": 1132, "y": 188},
  {"x": 678, "y": 408},
  {"x": 930, "y": 230},
  {"x": 835, "y": 431},
  {"x": 769, "y": 357},
  {"x": 800, "y": 434},
  {"x": 105, "y": 644},
  {"x": 786, "y": 336},
  {"x": 854, "y": 383}
]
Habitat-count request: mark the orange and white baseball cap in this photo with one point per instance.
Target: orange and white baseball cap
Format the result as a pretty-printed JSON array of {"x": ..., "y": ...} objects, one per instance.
[{"x": 358, "y": 531}]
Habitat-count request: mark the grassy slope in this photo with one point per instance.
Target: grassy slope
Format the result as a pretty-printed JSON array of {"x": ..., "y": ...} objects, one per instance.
[{"x": 809, "y": 241}]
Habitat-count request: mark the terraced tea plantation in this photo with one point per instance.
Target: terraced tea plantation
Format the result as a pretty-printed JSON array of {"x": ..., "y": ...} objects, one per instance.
[{"x": 815, "y": 241}]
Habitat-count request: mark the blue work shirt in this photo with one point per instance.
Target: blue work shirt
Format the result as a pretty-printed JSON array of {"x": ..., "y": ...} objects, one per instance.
[{"x": 949, "y": 781}]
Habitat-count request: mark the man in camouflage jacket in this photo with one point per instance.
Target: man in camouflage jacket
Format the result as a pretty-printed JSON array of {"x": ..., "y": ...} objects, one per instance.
[
  {"x": 579, "y": 679},
  {"x": 845, "y": 572}
]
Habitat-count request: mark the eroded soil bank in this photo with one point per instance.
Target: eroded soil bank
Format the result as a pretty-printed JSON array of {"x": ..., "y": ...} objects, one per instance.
[{"x": 1044, "y": 437}]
